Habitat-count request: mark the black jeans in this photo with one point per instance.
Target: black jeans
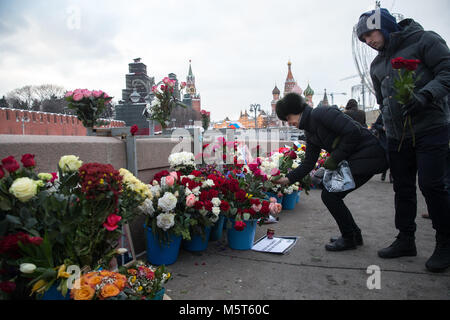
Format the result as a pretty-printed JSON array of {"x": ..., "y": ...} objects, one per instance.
[
  {"x": 428, "y": 159},
  {"x": 335, "y": 204}
]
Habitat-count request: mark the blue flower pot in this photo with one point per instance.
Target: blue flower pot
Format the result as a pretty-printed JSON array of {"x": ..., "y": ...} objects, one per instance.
[
  {"x": 197, "y": 243},
  {"x": 217, "y": 229},
  {"x": 54, "y": 294},
  {"x": 164, "y": 253},
  {"x": 289, "y": 201},
  {"x": 270, "y": 194},
  {"x": 242, "y": 240},
  {"x": 160, "y": 294},
  {"x": 298, "y": 197}
]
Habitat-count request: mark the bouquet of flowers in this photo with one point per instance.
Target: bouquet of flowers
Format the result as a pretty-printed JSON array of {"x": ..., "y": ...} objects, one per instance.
[
  {"x": 166, "y": 213},
  {"x": 164, "y": 102},
  {"x": 183, "y": 162},
  {"x": 88, "y": 105},
  {"x": 100, "y": 285},
  {"x": 145, "y": 282},
  {"x": 404, "y": 85},
  {"x": 206, "y": 118}
]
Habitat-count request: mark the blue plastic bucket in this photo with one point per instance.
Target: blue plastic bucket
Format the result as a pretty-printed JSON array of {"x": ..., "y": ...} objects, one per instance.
[
  {"x": 217, "y": 229},
  {"x": 270, "y": 195},
  {"x": 54, "y": 294},
  {"x": 162, "y": 253},
  {"x": 242, "y": 240},
  {"x": 289, "y": 201},
  {"x": 298, "y": 197},
  {"x": 160, "y": 294},
  {"x": 197, "y": 243}
]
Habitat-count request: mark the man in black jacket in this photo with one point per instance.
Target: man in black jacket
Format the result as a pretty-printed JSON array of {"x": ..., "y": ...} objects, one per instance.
[
  {"x": 351, "y": 109},
  {"x": 424, "y": 150},
  {"x": 330, "y": 129}
]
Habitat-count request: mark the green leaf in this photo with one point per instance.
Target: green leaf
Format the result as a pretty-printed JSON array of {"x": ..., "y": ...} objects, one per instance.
[
  {"x": 13, "y": 219},
  {"x": 5, "y": 204}
]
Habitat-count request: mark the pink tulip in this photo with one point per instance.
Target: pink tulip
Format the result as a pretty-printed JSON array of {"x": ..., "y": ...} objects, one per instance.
[
  {"x": 155, "y": 89},
  {"x": 190, "y": 200},
  {"x": 166, "y": 80},
  {"x": 171, "y": 83}
]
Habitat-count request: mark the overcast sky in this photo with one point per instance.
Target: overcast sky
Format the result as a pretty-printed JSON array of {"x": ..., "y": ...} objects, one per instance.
[{"x": 239, "y": 49}]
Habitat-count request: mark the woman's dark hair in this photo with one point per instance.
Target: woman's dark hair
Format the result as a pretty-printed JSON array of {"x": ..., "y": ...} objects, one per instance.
[
  {"x": 292, "y": 103},
  {"x": 351, "y": 104}
]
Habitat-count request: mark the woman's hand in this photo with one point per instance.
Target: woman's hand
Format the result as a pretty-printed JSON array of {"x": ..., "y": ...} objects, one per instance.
[{"x": 282, "y": 181}]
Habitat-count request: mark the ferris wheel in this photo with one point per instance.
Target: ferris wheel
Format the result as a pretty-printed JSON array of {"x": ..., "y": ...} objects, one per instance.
[{"x": 363, "y": 56}]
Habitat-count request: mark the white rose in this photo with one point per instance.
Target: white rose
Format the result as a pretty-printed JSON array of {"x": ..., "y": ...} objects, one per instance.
[
  {"x": 121, "y": 250},
  {"x": 196, "y": 191},
  {"x": 216, "y": 202},
  {"x": 165, "y": 221},
  {"x": 70, "y": 163},
  {"x": 27, "y": 268},
  {"x": 167, "y": 202},
  {"x": 216, "y": 210},
  {"x": 147, "y": 207},
  {"x": 24, "y": 189},
  {"x": 294, "y": 165}
]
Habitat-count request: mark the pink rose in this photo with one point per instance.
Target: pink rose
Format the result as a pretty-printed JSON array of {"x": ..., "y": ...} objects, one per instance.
[
  {"x": 174, "y": 175},
  {"x": 97, "y": 94},
  {"x": 68, "y": 94},
  {"x": 171, "y": 83},
  {"x": 273, "y": 200},
  {"x": 154, "y": 89},
  {"x": 78, "y": 96},
  {"x": 166, "y": 80},
  {"x": 87, "y": 93},
  {"x": 275, "y": 208},
  {"x": 183, "y": 84},
  {"x": 170, "y": 181},
  {"x": 190, "y": 200}
]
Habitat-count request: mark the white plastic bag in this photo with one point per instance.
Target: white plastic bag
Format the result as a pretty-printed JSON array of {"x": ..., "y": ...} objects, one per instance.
[{"x": 339, "y": 180}]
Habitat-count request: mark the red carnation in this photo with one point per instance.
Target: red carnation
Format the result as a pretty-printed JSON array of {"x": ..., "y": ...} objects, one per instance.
[
  {"x": 239, "y": 225},
  {"x": 240, "y": 195},
  {"x": 196, "y": 173},
  {"x": 134, "y": 129},
  {"x": 28, "y": 160},
  {"x": 2, "y": 173},
  {"x": 10, "y": 164},
  {"x": 160, "y": 174},
  {"x": 208, "y": 205}
]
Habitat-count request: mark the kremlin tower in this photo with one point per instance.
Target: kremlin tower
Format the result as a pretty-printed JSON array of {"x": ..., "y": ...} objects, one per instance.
[{"x": 191, "y": 97}]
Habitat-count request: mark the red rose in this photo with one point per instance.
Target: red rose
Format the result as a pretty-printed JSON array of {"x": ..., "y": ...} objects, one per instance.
[
  {"x": 213, "y": 193},
  {"x": 240, "y": 195},
  {"x": 36, "y": 240},
  {"x": 411, "y": 64},
  {"x": 239, "y": 225},
  {"x": 198, "y": 205},
  {"x": 204, "y": 196},
  {"x": 292, "y": 155},
  {"x": 224, "y": 206},
  {"x": 28, "y": 160},
  {"x": 196, "y": 173},
  {"x": 7, "y": 286},
  {"x": 208, "y": 205},
  {"x": 398, "y": 63},
  {"x": 111, "y": 222},
  {"x": 2, "y": 173},
  {"x": 10, "y": 164},
  {"x": 134, "y": 129}
]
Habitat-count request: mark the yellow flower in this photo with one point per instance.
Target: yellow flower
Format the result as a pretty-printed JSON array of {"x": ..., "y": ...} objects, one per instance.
[
  {"x": 140, "y": 288},
  {"x": 62, "y": 273},
  {"x": 101, "y": 181},
  {"x": 39, "y": 286},
  {"x": 133, "y": 280}
]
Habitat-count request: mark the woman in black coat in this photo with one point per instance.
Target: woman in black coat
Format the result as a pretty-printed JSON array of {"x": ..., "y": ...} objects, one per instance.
[{"x": 329, "y": 129}]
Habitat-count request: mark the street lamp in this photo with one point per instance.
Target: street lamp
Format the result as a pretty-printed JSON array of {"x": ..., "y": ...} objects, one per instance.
[
  {"x": 255, "y": 108},
  {"x": 23, "y": 119}
]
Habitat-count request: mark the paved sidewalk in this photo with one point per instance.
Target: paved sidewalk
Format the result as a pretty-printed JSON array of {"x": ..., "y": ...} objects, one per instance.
[{"x": 310, "y": 272}]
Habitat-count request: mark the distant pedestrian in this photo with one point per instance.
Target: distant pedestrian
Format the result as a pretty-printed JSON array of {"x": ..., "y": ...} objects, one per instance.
[
  {"x": 424, "y": 149},
  {"x": 351, "y": 109}
]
